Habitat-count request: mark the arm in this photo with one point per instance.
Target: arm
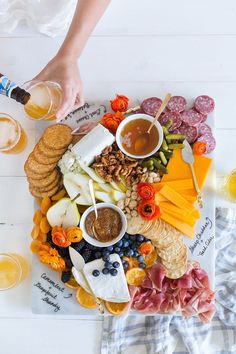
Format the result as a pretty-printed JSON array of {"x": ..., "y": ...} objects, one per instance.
[{"x": 63, "y": 67}]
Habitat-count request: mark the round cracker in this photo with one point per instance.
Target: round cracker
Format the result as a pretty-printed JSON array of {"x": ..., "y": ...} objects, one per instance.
[
  {"x": 45, "y": 160},
  {"x": 172, "y": 251},
  {"x": 57, "y": 136},
  {"x": 175, "y": 265},
  {"x": 50, "y": 152},
  {"x": 176, "y": 273},
  {"x": 182, "y": 254},
  {"x": 49, "y": 186},
  {"x": 39, "y": 194},
  {"x": 38, "y": 167},
  {"x": 167, "y": 241},
  {"x": 135, "y": 224},
  {"x": 33, "y": 174},
  {"x": 44, "y": 182}
]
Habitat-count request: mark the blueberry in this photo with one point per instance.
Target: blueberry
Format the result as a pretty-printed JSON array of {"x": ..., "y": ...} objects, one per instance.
[
  {"x": 105, "y": 253},
  {"x": 125, "y": 264},
  {"x": 79, "y": 245},
  {"x": 129, "y": 253},
  {"x": 121, "y": 254},
  {"x": 125, "y": 244},
  {"x": 136, "y": 254},
  {"x": 105, "y": 271},
  {"x": 116, "y": 264},
  {"x": 108, "y": 265},
  {"x": 65, "y": 276},
  {"x": 113, "y": 272},
  {"x": 96, "y": 273},
  {"x": 117, "y": 249},
  {"x": 106, "y": 257},
  {"x": 119, "y": 244},
  {"x": 126, "y": 236},
  {"x": 134, "y": 245},
  {"x": 140, "y": 258},
  {"x": 140, "y": 238},
  {"x": 142, "y": 265},
  {"x": 110, "y": 248},
  {"x": 98, "y": 254}
]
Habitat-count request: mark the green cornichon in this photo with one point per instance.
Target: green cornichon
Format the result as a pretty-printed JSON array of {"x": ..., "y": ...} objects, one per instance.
[
  {"x": 163, "y": 158},
  {"x": 175, "y": 137},
  {"x": 158, "y": 165},
  {"x": 147, "y": 163},
  {"x": 165, "y": 130},
  {"x": 164, "y": 145},
  {"x": 176, "y": 146},
  {"x": 168, "y": 154}
]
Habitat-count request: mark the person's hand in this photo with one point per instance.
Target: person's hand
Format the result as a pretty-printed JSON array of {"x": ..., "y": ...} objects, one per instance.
[{"x": 65, "y": 72}]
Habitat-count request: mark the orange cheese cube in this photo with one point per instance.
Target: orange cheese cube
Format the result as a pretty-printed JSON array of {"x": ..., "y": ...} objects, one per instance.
[
  {"x": 178, "y": 185},
  {"x": 179, "y": 225},
  {"x": 175, "y": 198}
]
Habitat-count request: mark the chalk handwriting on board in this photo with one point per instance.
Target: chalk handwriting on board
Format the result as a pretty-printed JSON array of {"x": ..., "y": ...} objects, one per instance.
[{"x": 199, "y": 239}]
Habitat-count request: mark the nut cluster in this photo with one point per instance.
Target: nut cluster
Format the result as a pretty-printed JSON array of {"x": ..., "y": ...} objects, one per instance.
[{"x": 112, "y": 165}]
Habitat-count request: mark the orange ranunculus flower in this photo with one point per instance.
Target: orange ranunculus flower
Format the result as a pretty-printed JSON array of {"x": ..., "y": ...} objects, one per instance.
[
  {"x": 74, "y": 234},
  {"x": 112, "y": 120},
  {"x": 51, "y": 257},
  {"x": 59, "y": 237},
  {"x": 120, "y": 103}
]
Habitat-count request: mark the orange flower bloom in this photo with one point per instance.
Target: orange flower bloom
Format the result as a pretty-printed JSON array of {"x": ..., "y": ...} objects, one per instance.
[
  {"x": 120, "y": 103},
  {"x": 59, "y": 237},
  {"x": 51, "y": 258},
  {"x": 74, "y": 234},
  {"x": 112, "y": 120}
]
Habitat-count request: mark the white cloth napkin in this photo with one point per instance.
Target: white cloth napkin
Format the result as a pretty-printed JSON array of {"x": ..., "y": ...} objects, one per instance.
[{"x": 172, "y": 334}]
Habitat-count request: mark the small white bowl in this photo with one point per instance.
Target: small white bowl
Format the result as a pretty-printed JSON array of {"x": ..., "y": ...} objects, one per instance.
[
  {"x": 130, "y": 119},
  {"x": 94, "y": 241}
]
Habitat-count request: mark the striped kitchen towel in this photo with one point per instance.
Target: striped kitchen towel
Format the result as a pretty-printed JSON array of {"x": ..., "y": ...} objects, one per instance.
[{"x": 172, "y": 334}]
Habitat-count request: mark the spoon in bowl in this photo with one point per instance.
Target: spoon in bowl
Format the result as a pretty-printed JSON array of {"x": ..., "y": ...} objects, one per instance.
[
  {"x": 91, "y": 190},
  {"x": 142, "y": 139}
]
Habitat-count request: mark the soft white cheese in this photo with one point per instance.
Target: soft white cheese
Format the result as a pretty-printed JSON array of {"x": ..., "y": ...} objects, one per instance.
[
  {"x": 92, "y": 144},
  {"x": 105, "y": 286},
  {"x": 69, "y": 162},
  {"x": 81, "y": 280}
]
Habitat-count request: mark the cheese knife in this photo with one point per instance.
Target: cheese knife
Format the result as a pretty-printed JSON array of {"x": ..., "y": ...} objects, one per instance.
[{"x": 188, "y": 157}]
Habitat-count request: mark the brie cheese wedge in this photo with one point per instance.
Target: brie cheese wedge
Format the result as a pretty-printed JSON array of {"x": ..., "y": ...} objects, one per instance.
[
  {"x": 81, "y": 280},
  {"x": 92, "y": 144},
  {"x": 105, "y": 286}
]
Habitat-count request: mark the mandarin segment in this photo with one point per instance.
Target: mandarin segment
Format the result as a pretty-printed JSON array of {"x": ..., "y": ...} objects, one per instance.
[
  {"x": 44, "y": 225},
  {"x": 45, "y": 205}
]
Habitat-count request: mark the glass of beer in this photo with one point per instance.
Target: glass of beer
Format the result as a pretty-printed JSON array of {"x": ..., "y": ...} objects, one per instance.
[
  {"x": 45, "y": 99},
  {"x": 229, "y": 186},
  {"x": 13, "y": 270},
  {"x": 13, "y": 139}
]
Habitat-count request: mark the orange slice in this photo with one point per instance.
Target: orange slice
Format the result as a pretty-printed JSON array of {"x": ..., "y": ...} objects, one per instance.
[
  {"x": 150, "y": 259},
  {"x": 85, "y": 299},
  {"x": 72, "y": 283},
  {"x": 135, "y": 276},
  {"x": 116, "y": 308}
]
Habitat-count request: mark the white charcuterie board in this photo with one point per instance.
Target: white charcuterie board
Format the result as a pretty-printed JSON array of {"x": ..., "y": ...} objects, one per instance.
[{"x": 51, "y": 296}]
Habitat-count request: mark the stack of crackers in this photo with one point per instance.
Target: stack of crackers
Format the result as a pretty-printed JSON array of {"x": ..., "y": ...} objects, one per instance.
[
  {"x": 41, "y": 166},
  {"x": 171, "y": 249}
]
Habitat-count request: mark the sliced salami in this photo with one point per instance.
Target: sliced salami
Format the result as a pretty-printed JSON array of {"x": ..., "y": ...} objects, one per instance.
[
  {"x": 177, "y": 104},
  {"x": 190, "y": 132},
  {"x": 204, "y": 104},
  {"x": 204, "y": 128},
  {"x": 151, "y": 105},
  {"x": 174, "y": 116},
  {"x": 209, "y": 140},
  {"x": 191, "y": 117}
]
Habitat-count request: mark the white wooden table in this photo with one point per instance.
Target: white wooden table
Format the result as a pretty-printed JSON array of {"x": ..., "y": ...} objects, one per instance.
[{"x": 138, "y": 51}]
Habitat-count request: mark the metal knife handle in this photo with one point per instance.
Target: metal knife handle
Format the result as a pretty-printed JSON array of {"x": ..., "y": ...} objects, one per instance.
[{"x": 199, "y": 197}]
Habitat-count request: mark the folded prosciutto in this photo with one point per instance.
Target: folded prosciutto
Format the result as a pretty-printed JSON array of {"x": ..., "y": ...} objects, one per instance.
[{"x": 189, "y": 295}]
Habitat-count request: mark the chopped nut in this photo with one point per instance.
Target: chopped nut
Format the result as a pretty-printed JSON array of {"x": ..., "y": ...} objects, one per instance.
[
  {"x": 156, "y": 179},
  {"x": 153, "y": 174},
  {"x": 127, "y": 210},
  {"x": 127, "y": 201},
  {"x": 133, "y": 204},
  {"x": 150, "y": 180},
  {"x": 134, "y": 213},
  {"x": 128, "y": 216},
  {"x": 134, "y": 195},
  {"x": 128, "y": 193}
]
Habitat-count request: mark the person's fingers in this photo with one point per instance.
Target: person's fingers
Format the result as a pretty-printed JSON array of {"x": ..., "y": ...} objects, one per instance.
[
  {"x": 79, "y": 101},
  {"x": 68, "y": 100}
]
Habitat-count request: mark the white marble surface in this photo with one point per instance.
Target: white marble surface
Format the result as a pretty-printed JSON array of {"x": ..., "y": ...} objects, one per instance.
[{"x": 190, "y": 50}]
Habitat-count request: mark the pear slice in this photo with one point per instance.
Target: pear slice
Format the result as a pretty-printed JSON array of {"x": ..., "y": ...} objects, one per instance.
[
  {"x": 78, "y": 184},
  {"x": 116, "y": 195},
  {"x": 115, "y": 186},
  {"x": 64, "y": 213},
  {"x": 103, "y": 197},
  {"x": 91, "y": 172}
]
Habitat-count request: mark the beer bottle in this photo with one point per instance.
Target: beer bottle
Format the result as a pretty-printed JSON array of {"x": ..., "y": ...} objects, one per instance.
[{"x": 10, "y": 89}]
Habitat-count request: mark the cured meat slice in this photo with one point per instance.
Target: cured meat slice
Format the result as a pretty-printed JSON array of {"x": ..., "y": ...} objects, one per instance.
[
  {"x": 192, "y": 117},
  {"x": 190, "y": 132},
  {"x": 151, "y": 105},
  {"x": 204, "y": 128},
  {"x": 177, "y": 104},
  {"x": 209, "y": 140},
  {"x": 204, "y": 104},
  {"x": 174, "y": 116}
]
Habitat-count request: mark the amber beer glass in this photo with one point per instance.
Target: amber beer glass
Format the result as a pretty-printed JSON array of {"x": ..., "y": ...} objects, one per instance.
[{"x": 13, "y": 139}]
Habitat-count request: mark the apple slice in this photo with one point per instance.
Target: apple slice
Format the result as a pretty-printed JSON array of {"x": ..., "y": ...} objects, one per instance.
[
  {"x": 64, "y": 213},
  {"x": 103, "y": 197},
  {"x": 115, "y": 186},
  {"x": 116, "y": 195},
  {"x": 75, "y": 184}
]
